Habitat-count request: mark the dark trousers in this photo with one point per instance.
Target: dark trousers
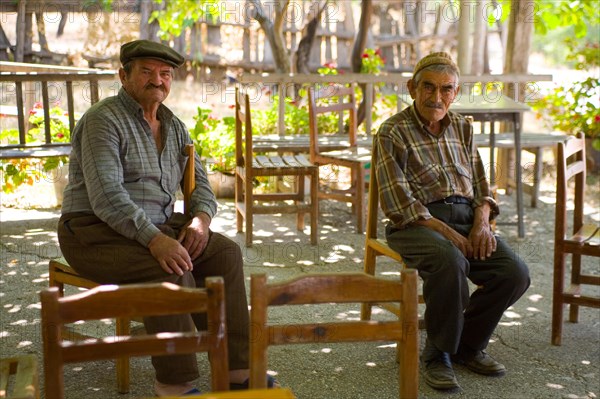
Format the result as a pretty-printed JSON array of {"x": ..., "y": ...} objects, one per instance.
[
  {"x": 99, "y": 253},
  {"x": 452, "y": 317}
]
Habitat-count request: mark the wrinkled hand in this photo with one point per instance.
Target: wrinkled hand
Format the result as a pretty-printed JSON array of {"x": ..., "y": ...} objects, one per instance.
[
  {"x": 482, "y": 240},
  {"x": 194, "y": 235},
  {"x": 170, "y": 254},
  {"x": 461, "y": 242}
]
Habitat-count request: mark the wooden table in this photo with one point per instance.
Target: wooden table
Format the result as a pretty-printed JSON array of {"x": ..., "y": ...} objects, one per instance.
[
  {"x": 491, "y": 109},
  {"x": 276, "y": 393}
]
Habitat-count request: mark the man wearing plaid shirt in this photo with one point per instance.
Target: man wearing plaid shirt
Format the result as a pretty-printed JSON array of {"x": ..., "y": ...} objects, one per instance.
[{"x": 434, "y": 191}]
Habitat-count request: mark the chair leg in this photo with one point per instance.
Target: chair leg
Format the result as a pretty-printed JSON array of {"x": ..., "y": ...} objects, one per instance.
[
  {"x": 300, "y": 194},
  {"x": 249, "y": 201},
  {"x": 537, "y": 175},
  {"x": 360, "y": 199},
  {"x": 370, "y": 263},
  {"x": 575, "y": 281},
  {"x": 122, "y": 363},
  {"x": 239, "y": 197},
  {"x": 557, "y": 297},
  {"x": 314, "y": 205}
]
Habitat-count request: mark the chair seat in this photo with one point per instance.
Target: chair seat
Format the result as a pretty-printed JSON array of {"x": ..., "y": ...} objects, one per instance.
[
  {"x": 354, "y": 154},
  {"x": 588, "y": 234}
]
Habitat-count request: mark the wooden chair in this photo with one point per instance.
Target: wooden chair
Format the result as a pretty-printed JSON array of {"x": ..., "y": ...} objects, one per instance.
[
  {"x": 339, "y": 100},
  {"x": 251, "y": 166},
  {"x": 375, "y": 246},
  {"x": 127, "y": 301},
  {"x": 338, "y": 288},
  {"x": 61, "y": 274},
  {"x": 25, "y": 371},
  {"x": 584, "y": 241}
]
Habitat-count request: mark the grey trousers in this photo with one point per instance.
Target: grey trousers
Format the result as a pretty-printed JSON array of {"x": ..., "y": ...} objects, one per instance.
[
  {"x": 452, "y": 317},
  {"x": 99, "y": 253}
]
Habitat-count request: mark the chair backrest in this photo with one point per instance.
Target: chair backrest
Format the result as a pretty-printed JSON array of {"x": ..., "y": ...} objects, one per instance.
[
  {"x": 127, "y": 301},
  {"x": 243, "y": 129},
  {"x": 327, "y": 100},
  {"x": 336, "y": 288},
  {"x": 373, "y": 197},
  {"x": 189, "y": 178},
  {"x": 570, "y": 164}
]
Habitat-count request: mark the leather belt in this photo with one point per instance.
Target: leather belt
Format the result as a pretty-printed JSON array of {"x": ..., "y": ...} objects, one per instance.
[{"x": 453, "y": 199}]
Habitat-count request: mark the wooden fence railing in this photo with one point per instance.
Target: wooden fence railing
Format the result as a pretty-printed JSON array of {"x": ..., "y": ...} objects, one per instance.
[
  {"x": 20, "y": 88},
  {"x": 285, "y": 84}
]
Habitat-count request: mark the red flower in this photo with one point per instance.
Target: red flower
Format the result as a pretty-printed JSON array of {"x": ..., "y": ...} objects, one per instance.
[
  {"x": 597, "y": 118},
  {"x": 38, "y": 105},
  {"x": 365, "y": 55},
  {"x": 60, "y": 135},
  {"x": 231, "y": 106},
  {"x": 378, "y": 52}
]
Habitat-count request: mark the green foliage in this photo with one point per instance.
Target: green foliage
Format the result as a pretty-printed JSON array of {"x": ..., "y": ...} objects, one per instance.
[
  {"x": 574, "y": 108},
  {"x": 214, "y": 140},
  {"x": 59, "y": 125},
  {"x": 329, "y": 68},
  {"x": 553, "y": 14},
  {"x": 16, "y": 172},
  {"x": 178, "y": 15},
  {"x": 372, "y": 62},
  {"x": 264, "y": 122}
]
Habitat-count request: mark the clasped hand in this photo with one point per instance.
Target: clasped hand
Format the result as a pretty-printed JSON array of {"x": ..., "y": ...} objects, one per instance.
[{"x": 176, "y": 256}]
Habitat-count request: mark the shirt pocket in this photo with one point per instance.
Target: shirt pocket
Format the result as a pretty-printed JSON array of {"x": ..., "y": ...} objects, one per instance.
[
  {"x": 425, "y": 177},
  {"x": 464, "y": 179}
]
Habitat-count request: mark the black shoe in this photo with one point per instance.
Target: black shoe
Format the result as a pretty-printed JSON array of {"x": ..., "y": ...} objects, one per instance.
[
  {"x": 438, "y": 372},
  {"x": 479, "y": 362},
  {"x": 437, "y": 368}
]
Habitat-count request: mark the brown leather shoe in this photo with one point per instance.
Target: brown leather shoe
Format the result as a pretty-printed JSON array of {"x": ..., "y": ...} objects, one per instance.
[{"x": 480, "y": 362}]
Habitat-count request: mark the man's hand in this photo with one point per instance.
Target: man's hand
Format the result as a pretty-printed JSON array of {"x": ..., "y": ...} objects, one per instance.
[
  {"x": 449, "y": 233},
  {"x": 194, "y": 235},
  {"x": 170, "y": 254},
  {"x": 481, "y": 237}
]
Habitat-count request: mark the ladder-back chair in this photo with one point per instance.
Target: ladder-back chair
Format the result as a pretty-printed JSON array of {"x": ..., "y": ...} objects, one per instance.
[
  {"x": 337, "y": 288},
  {"x": 127, "y": 301},
  {"x": 294, "y": 167},
  {"x": 339, "y": 100},
  {"x": 584, "y": 240}
]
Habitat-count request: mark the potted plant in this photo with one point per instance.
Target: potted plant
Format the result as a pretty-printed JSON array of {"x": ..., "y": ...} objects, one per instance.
[
  {"x": 574, "y": 108},
  {"x": 214, "y": 140},
  {"x": 17, "y": 172}
]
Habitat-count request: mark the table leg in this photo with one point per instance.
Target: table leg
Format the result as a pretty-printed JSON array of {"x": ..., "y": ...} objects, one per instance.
[{"x": 518, "y": 175}]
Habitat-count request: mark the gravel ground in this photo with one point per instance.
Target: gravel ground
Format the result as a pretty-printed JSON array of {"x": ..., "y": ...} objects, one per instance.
[{"x": 349, "y": 371}]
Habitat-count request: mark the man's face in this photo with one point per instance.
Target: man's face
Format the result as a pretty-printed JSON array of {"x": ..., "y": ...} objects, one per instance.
[
  {"x": 149, "y": 80},
  {"x": 433, "y": 94}
]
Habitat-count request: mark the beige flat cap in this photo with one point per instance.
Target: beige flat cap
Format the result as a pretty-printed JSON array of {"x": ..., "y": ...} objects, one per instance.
[{"x": 439, "y": 58}]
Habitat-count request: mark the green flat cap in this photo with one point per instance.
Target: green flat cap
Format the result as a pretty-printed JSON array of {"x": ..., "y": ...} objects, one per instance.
[{"x": 149, "y": 49}]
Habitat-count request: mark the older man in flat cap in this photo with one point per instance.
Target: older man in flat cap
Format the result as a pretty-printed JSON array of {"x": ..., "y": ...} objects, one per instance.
[
  {"x": 434, "y": 191},
  {"x": 118, "y": 224}
]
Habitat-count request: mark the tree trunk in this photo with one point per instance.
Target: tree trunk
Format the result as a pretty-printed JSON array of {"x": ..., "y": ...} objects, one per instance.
[
  {"x": 520, "y": 29},
  {"x": 274, "y": 32},
  {"x": 306, "y": 43},
  {"x": 360, "y": 43}
]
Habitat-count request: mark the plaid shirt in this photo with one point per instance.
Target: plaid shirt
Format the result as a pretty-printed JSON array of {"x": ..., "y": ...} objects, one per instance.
[
  {"x": 415, "y": 167},
  {"x": 116, "y": 172}
]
